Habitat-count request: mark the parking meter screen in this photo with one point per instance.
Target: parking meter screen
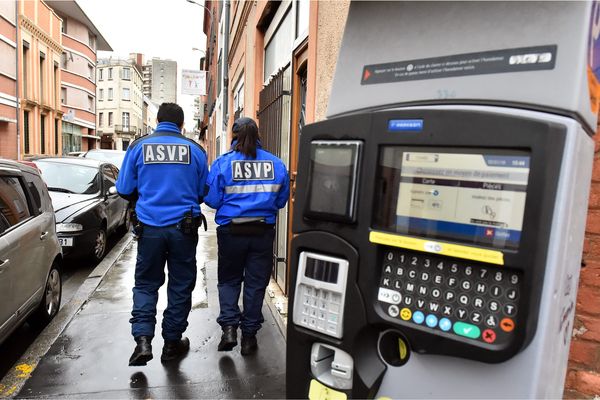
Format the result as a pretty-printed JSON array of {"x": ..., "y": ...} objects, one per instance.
[
  {"x": 466, "y": 196},
  {"x": 333, "y": 179}
]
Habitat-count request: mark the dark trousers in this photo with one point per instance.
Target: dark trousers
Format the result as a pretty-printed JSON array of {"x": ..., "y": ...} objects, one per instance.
[
  {"x": 247, "y": 259},
  {"x": 155, "y": 247}
]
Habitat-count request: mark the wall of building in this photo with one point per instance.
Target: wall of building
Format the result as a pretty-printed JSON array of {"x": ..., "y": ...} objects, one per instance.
[
  {"x": 40, "y": 94},
  {"x": 120, "y": 132},
  {"x": 8, "y": 75},
  {"x": 164, "y": 81},
  {"x": 332, "y": 19}
]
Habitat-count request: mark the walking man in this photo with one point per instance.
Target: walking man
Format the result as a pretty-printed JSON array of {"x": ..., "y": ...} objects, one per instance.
[{"x": 165, "y": 173}]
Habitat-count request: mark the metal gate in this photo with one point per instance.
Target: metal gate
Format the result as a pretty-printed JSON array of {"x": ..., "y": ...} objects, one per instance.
[{"x": 274, "y": 117}]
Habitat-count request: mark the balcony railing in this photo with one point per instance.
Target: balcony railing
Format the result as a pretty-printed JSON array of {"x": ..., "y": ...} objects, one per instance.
[{"x": 130, "y": 129}]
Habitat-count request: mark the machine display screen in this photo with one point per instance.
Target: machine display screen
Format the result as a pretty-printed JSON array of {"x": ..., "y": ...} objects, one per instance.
[
  {"x": 333, "y": 179},
  {"x": 476, "y": 197}
]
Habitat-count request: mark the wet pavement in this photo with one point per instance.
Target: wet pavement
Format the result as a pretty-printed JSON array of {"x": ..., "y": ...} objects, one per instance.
[{"x": 89, "y": 359}]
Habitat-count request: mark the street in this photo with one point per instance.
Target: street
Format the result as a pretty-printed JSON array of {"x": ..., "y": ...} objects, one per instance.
[{"x": 75, "y": 271}]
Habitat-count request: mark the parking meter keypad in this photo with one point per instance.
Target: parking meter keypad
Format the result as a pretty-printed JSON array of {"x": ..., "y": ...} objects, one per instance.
[{"x": 467, "y": 299}]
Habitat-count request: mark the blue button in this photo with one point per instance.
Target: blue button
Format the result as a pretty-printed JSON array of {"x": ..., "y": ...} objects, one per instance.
[
  {"x": 431, "y": 321},
  {"x": 418, "y": 317},
  {"x": 445, "y": 324}
]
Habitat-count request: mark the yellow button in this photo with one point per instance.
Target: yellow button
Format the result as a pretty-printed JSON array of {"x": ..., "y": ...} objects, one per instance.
[
  {"x": 405, "y": 314},
  {"x": 318, "y": 391}
]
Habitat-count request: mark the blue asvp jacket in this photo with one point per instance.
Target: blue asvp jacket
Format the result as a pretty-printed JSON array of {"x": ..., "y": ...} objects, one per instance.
[
  {"x": 166, "y": 172},
  {"x": 243, "y": 187}
]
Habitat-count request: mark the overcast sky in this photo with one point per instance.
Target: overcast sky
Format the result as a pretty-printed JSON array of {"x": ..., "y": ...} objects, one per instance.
[{"x": 156, "y": 28}]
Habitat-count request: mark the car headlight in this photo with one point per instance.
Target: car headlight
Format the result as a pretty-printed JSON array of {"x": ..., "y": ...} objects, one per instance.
[{"x": 68, "y": 227}]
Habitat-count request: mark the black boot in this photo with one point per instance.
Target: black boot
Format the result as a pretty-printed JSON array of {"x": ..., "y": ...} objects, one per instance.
[
  {"x": 143, "y": 351},
  {"x": 249, "y": 345},
  {"x": 228, "y": 339},
  {"x": 175, "y": 349}
]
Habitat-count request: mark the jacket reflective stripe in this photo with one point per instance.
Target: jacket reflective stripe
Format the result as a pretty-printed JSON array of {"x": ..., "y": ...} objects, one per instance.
[{"x": 260, "y": 188}]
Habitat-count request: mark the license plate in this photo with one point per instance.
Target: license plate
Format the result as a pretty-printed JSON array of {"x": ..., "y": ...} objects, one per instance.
[{"x": 65, "y": 242}]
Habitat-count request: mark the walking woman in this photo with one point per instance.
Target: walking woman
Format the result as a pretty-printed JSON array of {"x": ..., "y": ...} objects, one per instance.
[{"x": 247, "y": 186}]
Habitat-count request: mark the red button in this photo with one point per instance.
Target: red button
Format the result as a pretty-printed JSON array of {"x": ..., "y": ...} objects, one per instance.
[{"x": 489, "y": 336}]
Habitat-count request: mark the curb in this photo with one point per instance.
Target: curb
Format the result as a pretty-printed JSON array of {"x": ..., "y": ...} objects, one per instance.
[{"x": 14, "y": 380}]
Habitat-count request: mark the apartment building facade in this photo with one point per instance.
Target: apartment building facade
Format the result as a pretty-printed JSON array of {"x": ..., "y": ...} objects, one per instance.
[
  {"x": 119, "y": 103},
  {"x": 80, "y": 40},
  {"x": 8, "y": 80},
  {"x": 160, "y": 80},
  {"x": 39, "y": 49}
]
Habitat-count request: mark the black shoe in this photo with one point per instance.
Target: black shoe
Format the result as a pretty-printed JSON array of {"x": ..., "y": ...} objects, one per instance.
[
  {"x": 175, "y": 349},
  {"x": 228, "y": 339},
  {"x": 249, "y": 345},
  {"x": 143, "y": 351}
]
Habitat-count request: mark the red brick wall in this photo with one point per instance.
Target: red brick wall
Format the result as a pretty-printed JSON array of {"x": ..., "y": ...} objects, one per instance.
[{"x": 583, "y": 376}]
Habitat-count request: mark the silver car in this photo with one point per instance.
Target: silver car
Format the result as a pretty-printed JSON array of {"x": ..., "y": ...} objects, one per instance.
[{"x": 30, "y": 255}]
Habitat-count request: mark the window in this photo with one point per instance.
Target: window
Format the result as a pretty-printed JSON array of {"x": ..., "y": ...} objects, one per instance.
[
  {"x": 125, "y": 120},
  {"x": 279, "y": 48},
  {"x": 110, "y": 74},
  {"x": 91, "y": 72},
  {"x": 110, "y": 94},
  {"x": 63, "y": 95},
  {"x": 92, "y": 40},
  {"x": 302, "y": 15},
  {"x": 36, "y": 189},
  {"x": 55, "y": 84},
  {"x": 108, "y": 177},
  {"x": 56, "y": 136},
  {"x": 100, "y": 74},
  {"x": 100, "y": 119},
  {"x": 63, "y": 27},
  {"x": 238, "y": 100},
  {"x": 13, "y": 203},
  {"x": 91, "y": 103},
  {"x": 43, "y": 134},
  {"x": 42, "y": 67},
  {"x": 25, "y": 62},
  {"x": 110, "y": 119},
  {"x": 126, "y": 74},
  {"x": 26, "y": 131},
  {"x": 100, "y": 94},
  {"x": 126, "y": 94}
]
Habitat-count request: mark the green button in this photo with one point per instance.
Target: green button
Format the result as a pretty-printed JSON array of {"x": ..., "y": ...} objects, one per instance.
[{"x": 467, "y": 330}]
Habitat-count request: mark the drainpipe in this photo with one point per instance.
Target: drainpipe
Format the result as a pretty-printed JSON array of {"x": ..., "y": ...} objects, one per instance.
[
  {"x": 226, "y": 67},
  {"x": 17, "y": 78}
]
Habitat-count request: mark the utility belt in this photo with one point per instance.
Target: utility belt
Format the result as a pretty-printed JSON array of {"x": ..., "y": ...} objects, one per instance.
[
  {"x": 188, "y": 225},
  {"x": 249, "y": 226}
]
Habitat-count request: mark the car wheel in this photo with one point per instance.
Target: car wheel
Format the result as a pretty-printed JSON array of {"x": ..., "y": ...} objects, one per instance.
[
  {"x": 50, "y": 302},
  {"x": 99, "y": 247}
]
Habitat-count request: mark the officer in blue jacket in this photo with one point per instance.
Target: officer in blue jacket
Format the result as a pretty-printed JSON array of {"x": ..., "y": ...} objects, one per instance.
[
  {"x": 165, "y": 172},
  {"x": 247, "y": 187}
]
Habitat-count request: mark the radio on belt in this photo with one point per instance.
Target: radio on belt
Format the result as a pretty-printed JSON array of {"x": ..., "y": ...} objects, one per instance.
[{"x": 438, "y": 229}]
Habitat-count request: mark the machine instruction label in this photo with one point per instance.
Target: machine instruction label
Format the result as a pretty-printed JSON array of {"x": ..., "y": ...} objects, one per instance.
[{"x": 481, "y": 63}]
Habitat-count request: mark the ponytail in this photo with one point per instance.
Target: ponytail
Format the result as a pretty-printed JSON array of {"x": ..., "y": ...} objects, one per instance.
[{"x": 246, "y": 133}]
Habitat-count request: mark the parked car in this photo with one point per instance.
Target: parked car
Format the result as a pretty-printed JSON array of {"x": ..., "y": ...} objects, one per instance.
[
  {"x": 112, "y": 156},
  {"x": 87, "y": 211},
  {"x": 30, "y": 254}
]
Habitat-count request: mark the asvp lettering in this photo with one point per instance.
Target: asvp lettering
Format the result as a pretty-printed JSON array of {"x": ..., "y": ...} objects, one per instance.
[
  {"x": 159, "y": 153},
  {"x": 252, "y": 170}
]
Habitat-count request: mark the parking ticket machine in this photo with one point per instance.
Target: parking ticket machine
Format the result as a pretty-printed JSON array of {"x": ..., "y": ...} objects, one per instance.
[{"x": 438, "y": 228}]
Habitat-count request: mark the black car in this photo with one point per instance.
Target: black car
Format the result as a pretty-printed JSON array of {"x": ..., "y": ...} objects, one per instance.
[{"x": 87, "y": 211}]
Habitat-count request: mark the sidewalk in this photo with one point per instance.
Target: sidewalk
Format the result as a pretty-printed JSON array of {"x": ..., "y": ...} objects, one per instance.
[{"x": 89, "y": 359}]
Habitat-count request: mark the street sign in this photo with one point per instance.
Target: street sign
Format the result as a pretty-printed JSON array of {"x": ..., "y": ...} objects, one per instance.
[{"x": 193, "y": 82}]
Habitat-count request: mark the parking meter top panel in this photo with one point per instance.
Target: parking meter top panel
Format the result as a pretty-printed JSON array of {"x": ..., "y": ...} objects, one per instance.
[{"x": 453, "y": 218}]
